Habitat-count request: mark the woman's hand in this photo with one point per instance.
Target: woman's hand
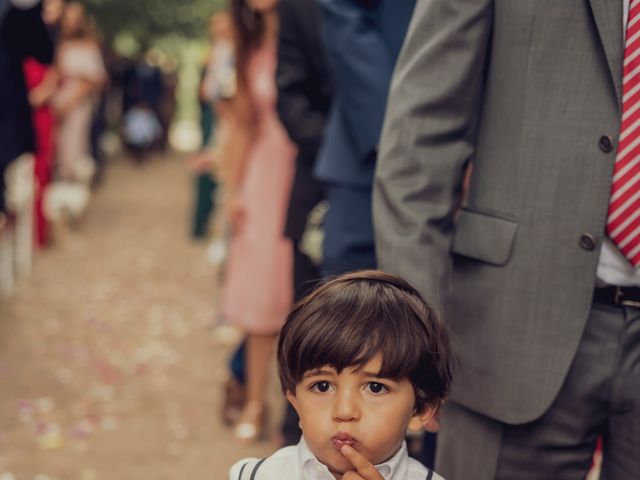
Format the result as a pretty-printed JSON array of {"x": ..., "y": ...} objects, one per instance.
[
  {"x": 62, "y": 109},
  {"x": 37, "y": 97},
  {"x": 236, "y": 213},
  {"x": 203, "y": 161},
  {"x": 43, "y": 93}
]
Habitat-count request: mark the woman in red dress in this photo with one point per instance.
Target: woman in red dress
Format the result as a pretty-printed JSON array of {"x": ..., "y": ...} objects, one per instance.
[{"x": 41, "y": 82}]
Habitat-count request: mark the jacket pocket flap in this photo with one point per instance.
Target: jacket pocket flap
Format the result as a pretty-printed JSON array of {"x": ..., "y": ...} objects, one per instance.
[{"x": 484, "y": 237}]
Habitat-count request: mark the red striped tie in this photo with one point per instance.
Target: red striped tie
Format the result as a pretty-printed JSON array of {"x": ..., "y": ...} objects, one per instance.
[{"x": 623, "y": 222}]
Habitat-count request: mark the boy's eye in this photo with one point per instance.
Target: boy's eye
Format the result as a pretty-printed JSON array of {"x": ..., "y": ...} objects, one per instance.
[
  {"x": 321, "y": 387},
  {"x": 377, "y": 388}
]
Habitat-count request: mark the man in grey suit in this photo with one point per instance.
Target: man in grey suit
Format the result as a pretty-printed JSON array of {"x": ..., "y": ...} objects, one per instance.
[{"x": 542, "y": 304}]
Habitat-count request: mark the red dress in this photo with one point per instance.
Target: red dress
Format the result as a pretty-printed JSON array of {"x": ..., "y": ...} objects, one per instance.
[{"x": 43, "y": 126}]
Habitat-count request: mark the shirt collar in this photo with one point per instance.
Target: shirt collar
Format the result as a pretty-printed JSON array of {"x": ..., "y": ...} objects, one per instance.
[
  {"x": 311, "y": 469},
  {"x": 396, "y": 466},
  {"x": 309, "y": 466}
]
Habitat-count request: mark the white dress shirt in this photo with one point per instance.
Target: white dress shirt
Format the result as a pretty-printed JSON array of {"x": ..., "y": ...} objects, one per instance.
[
  {"x": 298, "y": 463},
  {"x": 614, "y": 268}
]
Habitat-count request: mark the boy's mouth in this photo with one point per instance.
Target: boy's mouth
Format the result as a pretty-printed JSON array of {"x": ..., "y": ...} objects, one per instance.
[{"x": 342, "y": 439}]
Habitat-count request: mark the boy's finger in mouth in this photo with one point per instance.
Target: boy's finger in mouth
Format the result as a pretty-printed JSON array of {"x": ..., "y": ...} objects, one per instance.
[{"x": 341, "y": 439}]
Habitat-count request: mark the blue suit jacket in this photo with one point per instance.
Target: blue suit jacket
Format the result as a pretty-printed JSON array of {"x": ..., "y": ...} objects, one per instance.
[{"x": 363, "y": 39}]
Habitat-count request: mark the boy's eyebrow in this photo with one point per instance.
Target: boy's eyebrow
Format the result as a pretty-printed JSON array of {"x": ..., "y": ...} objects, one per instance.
[
  {"x": 321, "y": 371},
  {"x": 317, "y": 371}
]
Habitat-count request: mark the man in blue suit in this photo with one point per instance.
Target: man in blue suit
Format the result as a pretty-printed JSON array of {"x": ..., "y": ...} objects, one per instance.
[{"x": 363, "y": 40}]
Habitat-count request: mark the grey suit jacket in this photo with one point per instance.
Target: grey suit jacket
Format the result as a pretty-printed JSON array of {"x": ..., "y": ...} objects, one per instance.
[{"x": 529, "y": 92}]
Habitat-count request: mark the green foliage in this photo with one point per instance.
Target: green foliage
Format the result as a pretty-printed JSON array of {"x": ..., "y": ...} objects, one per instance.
[
  {"x": 149, "y": 20},
  {"x": 177, "y": 27}
]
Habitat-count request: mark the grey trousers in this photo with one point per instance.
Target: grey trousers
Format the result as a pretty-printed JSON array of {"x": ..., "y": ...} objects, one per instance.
[{"x": 600, "y": 397}]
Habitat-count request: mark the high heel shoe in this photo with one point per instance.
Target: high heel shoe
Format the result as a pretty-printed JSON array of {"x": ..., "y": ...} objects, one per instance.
[
  {"x": 234, "y": 400},
  {"x": 251, "y": 425}
]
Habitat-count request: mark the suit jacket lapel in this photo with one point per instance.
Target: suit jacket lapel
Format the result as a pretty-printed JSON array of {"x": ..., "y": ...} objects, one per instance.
[{"x": 608, "y": 18}]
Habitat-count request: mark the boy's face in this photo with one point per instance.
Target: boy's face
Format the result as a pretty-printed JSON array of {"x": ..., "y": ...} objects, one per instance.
[{"x": 357, "y": 408}]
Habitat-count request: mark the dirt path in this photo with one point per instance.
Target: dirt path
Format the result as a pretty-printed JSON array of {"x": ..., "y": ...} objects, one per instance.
[{"x": 109, "y": 366}]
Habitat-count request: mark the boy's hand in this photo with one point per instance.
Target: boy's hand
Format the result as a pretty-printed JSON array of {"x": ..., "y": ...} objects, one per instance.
[{"x": 364, "y": 468}]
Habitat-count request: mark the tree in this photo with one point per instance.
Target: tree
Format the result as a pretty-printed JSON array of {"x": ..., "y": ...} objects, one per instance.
[{"x": 149, "y": 20}]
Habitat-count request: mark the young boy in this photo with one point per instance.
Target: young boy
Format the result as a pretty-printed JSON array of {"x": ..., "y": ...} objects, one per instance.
[{"x": 362, "y": 359}]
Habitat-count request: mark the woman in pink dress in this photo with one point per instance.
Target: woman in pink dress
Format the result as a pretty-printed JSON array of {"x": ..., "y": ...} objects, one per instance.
[
  {"x": 83, "y": 75},
  {"x": 257, "y": 292}
]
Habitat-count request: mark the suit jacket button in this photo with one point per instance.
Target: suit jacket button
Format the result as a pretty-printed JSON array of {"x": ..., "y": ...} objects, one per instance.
[
  {"x": 588, "y": 242},
  {"x": 606, "y": 143}
]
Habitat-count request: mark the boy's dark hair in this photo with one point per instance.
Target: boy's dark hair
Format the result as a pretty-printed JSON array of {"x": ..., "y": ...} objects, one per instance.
[{"x": 348, "y": 320}]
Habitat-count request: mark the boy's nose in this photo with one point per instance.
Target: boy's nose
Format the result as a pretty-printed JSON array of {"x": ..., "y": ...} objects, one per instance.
[{"x": 345, "y": 407}]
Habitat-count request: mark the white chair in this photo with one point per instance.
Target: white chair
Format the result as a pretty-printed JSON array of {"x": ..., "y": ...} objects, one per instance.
[
  {"x": 6, "y": 257},
  {"x": 19, "y": 196}
]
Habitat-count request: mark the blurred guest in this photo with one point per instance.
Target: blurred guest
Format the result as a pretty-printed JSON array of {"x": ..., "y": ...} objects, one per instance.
[
  {"x": 363, "y": 39},
  {"x": 219, "y": 81},
  {"x": 143, "y": 81},
  {"x": 151, "y": 80},
  {"x": 168, "y": 101},
  {"x": 304, "y": 95},
  {"x": 258, "y": 286},
  {"x": 144, "y": 85},
  {"x": 141, "y": 129},
  {"x": 129, "y": 81},
  {"x": 97, "y": 130},
  {"x": 204, "y": 182},
  {"x": 217, "y": 87},
  {"x": 52, "y": 13},
  {"x": 42, "y": 81},
  {"x": 22, "y": 35},
  {"x": 82, "y": 73}
]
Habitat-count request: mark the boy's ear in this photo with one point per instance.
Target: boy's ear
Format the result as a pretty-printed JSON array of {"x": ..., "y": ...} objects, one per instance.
[
  {"x": 291, "y": 397},
  {"x": 421, "y": 420}
]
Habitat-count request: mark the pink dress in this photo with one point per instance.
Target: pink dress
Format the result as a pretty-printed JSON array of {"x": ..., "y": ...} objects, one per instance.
[
  {"x": 77, "y": 61},
  {"x": 258, "y": 286}
]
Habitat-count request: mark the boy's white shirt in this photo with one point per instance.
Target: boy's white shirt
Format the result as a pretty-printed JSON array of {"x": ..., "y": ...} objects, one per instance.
[{"x": 298, "y": 463}]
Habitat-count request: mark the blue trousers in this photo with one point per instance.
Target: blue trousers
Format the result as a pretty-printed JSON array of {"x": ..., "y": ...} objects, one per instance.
[{"x": 348, "y": 231}]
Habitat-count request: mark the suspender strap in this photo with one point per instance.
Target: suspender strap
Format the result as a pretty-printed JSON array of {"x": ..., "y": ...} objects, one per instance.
[
  {"x": 430, "y": 476},
  {"x": 255, "y": 470},
  {"x": 242, "y": 470}
]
